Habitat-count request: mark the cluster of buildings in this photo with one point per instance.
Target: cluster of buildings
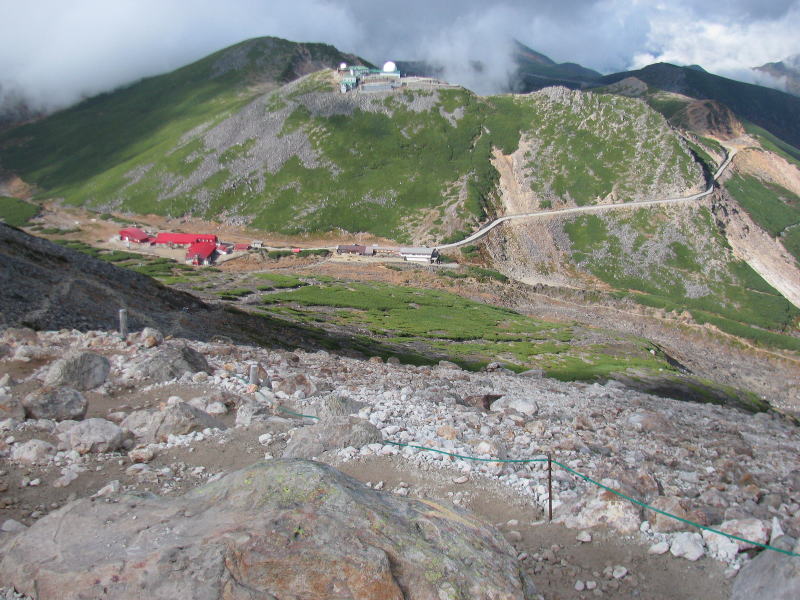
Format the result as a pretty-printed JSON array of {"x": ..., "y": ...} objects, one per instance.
[
  {"x": 201, "y": 248},
  {"x": 411, "y": 254},
  {"x": 367, "y": 79}
]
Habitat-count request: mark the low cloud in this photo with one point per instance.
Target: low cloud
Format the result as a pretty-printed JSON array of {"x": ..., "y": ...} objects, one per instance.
[{"x": 53, "y": 53}]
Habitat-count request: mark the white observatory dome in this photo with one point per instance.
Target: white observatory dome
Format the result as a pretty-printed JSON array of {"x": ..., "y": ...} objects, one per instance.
[
  {"x": 389, "y": 67},
  {"x": 343, "y": 66}
]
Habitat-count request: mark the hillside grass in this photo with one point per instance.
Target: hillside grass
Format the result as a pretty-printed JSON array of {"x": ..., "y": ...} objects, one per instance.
[
  {"x": 730, "y": 295},
  {"x": 772, "y": 207},
  {"x": 16, "y": 212},
  {"x": 466, "y": 332}
]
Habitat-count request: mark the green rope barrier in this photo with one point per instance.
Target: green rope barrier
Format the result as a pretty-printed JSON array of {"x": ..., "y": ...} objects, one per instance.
[
  {"x": 500, "y": 460},
  {"x": 666, "y": 514},
  {"x": 582, "y": 476}
]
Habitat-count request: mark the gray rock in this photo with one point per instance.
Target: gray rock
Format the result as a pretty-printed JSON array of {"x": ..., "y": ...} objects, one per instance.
[
  {"x": 481, "y": 401},
  {"x": 176, "y": 419},
  {"x": 92, "y": 435},
  {"x": 250, "y": 412},
  {"x": 5, "y": 350},
  {"x": 12, "y": 526},
  {"x": 59, "y": 404},
  {"x": 33, "y": 452},
  {"x": 11, "y": 408},
  {"x": 277, "y": 529},
  {"x": 338, "y": 406},
  {"x": 170, "y": 363},
  {"x": 82, "y": 371},
  {"x": 332, "y": 434},
  {"x": 770, "y": 575},
  {"x": 295, "y": 384}
]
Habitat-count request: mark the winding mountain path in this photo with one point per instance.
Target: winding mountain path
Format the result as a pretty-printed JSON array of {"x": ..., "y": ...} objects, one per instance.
[{"x": 592, "y": 209}]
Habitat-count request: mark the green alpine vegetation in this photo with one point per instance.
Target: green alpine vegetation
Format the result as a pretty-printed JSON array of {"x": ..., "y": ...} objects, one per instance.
[
  {"x": 16, "y": 212},
  {"x": 676, "y": 259},
  {"x": 774, "y": 208},
  {"x": 237, "y": 135}
]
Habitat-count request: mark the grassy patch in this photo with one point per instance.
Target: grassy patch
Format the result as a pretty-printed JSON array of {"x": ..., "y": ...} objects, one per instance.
[
  {"x": 16, "y": 212},
  {"x": 694, "y": 272},
  {"x": 774, "y": 208},
  {"x": 467, "y": 332}
]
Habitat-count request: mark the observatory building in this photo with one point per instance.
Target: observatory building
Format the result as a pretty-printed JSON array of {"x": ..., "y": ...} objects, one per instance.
[{"x": 366, "y": 79}]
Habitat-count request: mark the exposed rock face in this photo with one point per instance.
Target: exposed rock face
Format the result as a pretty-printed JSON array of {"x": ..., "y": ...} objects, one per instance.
[
  {"x": 177, "y": 419},
  {"x": 332, "y": 434},
  {"x": 59, "y": 404},
  {"x": 82, "y": 371},
  {"x": 277, "y": 529},
  {"x": 171, "y": 363}
]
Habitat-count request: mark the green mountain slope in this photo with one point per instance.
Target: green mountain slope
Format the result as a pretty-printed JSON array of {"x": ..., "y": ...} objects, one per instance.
[
  {"x": 147, "y": 119},
  {"x": 775, "y": 111},
  {"x": 222, "y": 140}
]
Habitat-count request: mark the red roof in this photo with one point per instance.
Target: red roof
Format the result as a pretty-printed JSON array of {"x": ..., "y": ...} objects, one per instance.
[
  {"x": 185, "y": 238},
  {"x": 134, "y": 234},
  {"x": 201, "y": 250},
  {"x": 241, "y": 246}
]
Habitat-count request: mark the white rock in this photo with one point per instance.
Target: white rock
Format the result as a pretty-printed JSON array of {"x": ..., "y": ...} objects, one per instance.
[
  {"x": 658, "y": 548},
  {"x": 619, "y": 572},
  {"x": 584, "y": 537},
  {"x": 216, "y": 408},
  {"x": 580, "y": 586},
  {"x": 33, "y": 452},
  {"x": 12, "y": 526},
  {"x": 687, "y": 545},
  {"x": 109, "y": 489}
]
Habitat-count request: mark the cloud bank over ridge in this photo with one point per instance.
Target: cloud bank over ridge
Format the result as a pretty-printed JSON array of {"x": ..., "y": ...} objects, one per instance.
[{"x": 53, "y": 53}]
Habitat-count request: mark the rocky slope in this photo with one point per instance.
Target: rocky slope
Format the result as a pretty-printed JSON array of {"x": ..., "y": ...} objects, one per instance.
[{"x": 149, "y": 398}]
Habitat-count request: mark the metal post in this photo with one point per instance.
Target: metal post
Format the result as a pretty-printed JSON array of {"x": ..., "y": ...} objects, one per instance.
[
  {"x": 254, "y": 374},
  {"x": 123, "y": 323},
  {"x": 550, "y": 487}
]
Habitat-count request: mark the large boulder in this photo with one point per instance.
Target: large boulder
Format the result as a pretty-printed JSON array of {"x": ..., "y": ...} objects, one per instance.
[
  {"x": 176, "y": 419},
  {"x": 170, "y": 363},
  {"x": 276, "y": 529},
  {"x": 59, "y": 404},
  {"x": 331, "y": 434},
  {"x": 82, "y": 371},
  {"x": 771, "y": 574},
  {"x": 92, "y": 435}
]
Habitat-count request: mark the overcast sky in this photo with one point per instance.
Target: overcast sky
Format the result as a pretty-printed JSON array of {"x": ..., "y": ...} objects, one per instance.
[{"x": 54, "y": 52}]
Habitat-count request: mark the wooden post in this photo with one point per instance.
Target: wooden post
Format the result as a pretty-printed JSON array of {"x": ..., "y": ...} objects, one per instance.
[
  {"x": 123, "y": 323},
  {"x": 254, "y": 374},
  {"x": 550, "y": 487}
]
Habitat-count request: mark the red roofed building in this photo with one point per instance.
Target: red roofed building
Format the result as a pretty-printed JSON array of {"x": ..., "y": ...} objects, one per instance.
[
  {"x": 133, "y": 234},
  {"x": 201, "y": 253},
  {"x": 244, "y": 246},
  {"x": 185, "y": 239}
]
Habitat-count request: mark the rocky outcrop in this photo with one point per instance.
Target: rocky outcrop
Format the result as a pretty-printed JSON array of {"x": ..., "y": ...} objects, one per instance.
[
  {"x": 60, "y": 404},
  {"x": 170, "y": 363},
  {"x": 82, "y": 371},
  {"x": 277, "y": 529},
  {"x": 332, "y": 434},
  {"x": 177, "y": 419}
]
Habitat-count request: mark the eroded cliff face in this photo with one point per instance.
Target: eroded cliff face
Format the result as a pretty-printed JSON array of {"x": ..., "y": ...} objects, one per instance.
[{"x": 764, "y": 253}]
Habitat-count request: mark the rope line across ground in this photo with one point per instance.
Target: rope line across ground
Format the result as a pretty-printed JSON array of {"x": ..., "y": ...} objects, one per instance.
[{"x": 582, "y": 476}]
